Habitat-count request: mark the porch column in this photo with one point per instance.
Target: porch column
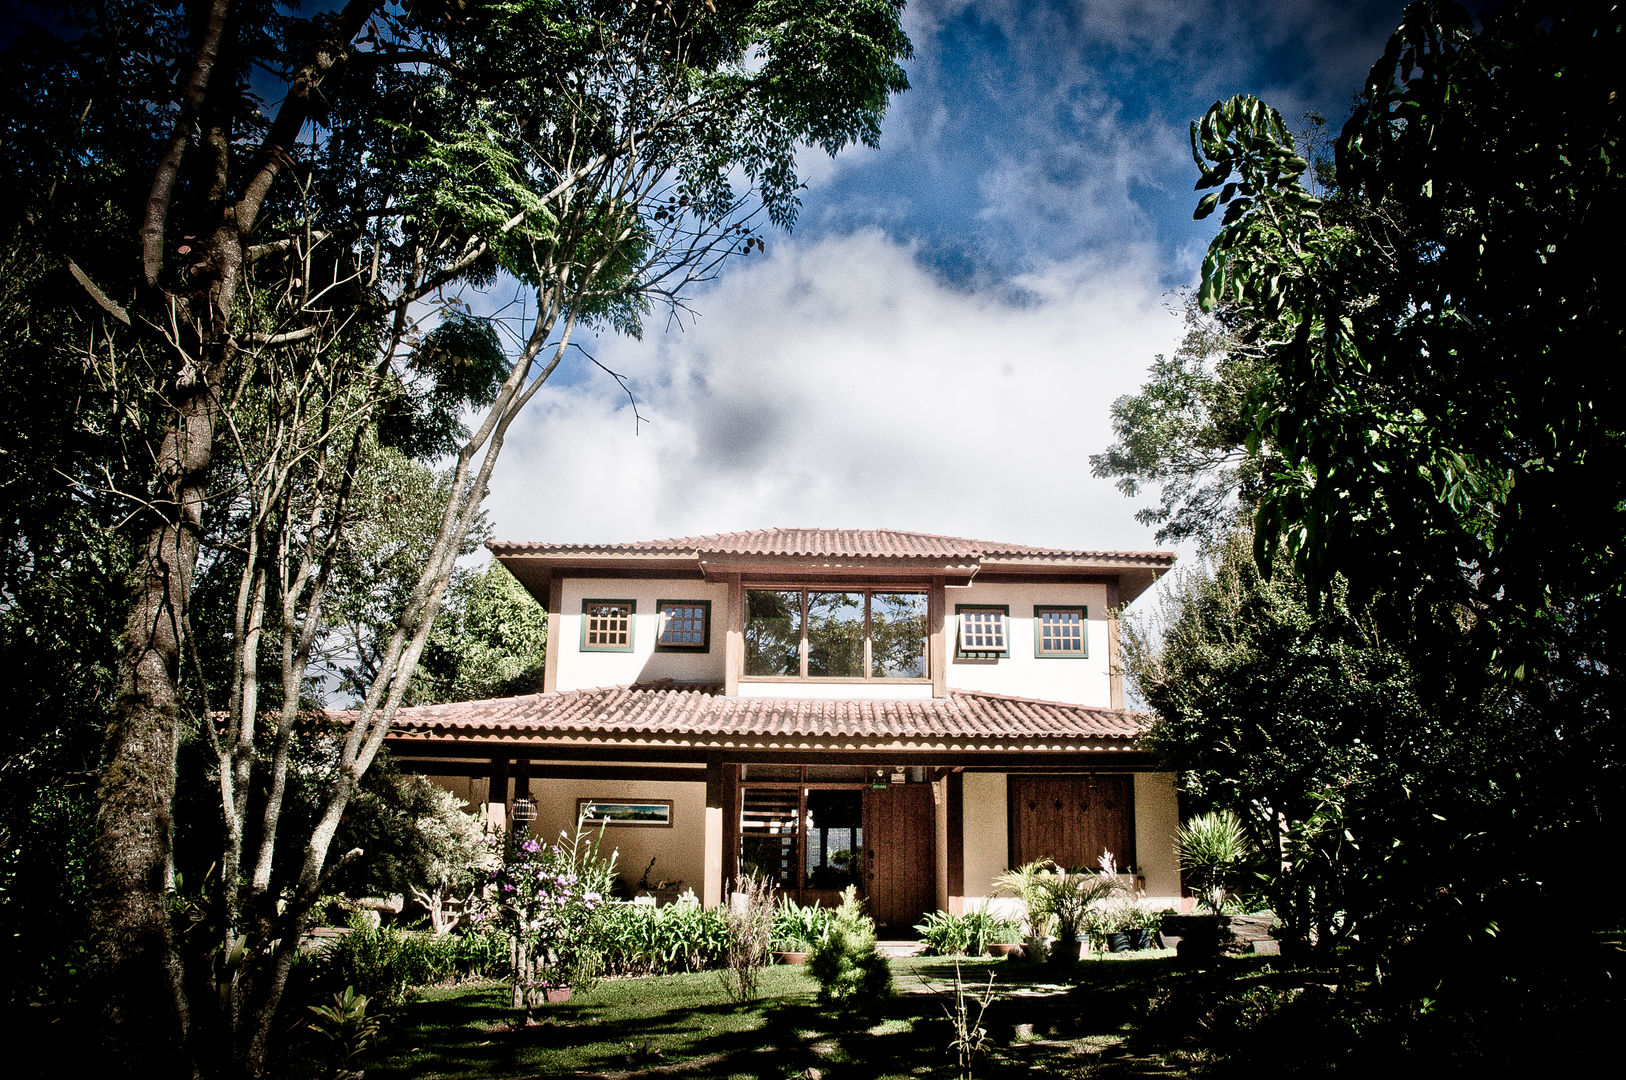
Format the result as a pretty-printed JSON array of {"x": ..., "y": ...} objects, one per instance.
[
  {"x": 712, "y": 894},
  {"x": 497, "y": 796}
]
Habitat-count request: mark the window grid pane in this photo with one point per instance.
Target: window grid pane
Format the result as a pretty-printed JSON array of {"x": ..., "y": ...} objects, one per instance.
[
  {"x": 683, "y": 625},
  {"x": 609, "y": 626},
  {"x": 1060, "y": 630},
  {"x": 982, "y": 630}
]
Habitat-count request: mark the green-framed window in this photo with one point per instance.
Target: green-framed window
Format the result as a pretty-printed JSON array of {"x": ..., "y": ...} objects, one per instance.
[
  {"x": 1060, "y": 630},
  {"x": 684, "y": 626},
  {"x": 983, "y": 631},
  {"x": 607, "y": 625}
]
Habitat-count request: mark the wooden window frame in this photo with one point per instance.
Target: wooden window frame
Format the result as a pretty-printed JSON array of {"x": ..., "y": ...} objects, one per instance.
[
  {"x": 1083, "y": 650},
  {"x": 1004, "y": 613},
  {"x": 587, "y": 617},
  {"x": 868, "y": 592},
  {"x": 705, "y": 626}
]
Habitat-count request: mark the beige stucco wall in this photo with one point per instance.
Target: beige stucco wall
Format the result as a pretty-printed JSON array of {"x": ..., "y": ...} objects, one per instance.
[
  {"x": 1084, "y": 681},
  {"x": 986, "y": 838},
  {"x": 940, "y": 832},
  {"x": 583, "y": 670},
  {"x": 679, "y": 852},
  {"x": 1157, "y": 819}
]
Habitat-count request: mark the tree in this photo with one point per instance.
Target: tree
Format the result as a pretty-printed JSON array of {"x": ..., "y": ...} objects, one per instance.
[
  {"x": 266, "y": 290},
  {"x": 490, "y": 642}
]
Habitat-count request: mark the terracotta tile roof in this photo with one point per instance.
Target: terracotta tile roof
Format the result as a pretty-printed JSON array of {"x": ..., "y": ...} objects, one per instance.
[
  {"x": 700, "y": 717},
  {"x": 822, "y": 543}
]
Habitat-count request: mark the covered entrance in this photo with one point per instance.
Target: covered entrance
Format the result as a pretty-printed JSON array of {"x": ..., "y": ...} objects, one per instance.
[{"x": 815, "y": 830}]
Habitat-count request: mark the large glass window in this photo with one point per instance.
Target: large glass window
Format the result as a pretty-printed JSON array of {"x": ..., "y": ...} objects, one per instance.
[
  {"x": 851, "y": 634},
  {"x": 773, "y": 632}
]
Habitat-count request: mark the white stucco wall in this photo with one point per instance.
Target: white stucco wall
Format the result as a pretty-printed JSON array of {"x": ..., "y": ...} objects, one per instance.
[
  {"x": 583, "y": 670},
  {"x": 1080, "y": 681},
  {"x": 803, "y": 690}
]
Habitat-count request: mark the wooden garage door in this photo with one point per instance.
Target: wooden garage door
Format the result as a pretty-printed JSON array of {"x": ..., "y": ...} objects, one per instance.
[{"x": 1072, "y": 819}]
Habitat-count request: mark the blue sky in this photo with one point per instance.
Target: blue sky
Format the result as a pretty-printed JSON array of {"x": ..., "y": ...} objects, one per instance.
[{"x": 937, "y": 344}]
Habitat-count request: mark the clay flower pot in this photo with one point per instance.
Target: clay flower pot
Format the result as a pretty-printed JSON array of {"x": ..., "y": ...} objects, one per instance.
[
  {"x": 791, "y": 957},
  {"x": 1003, "y": 948}
]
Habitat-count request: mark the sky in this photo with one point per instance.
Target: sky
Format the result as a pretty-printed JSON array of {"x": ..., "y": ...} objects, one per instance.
[{"x": 937, "y": 344}]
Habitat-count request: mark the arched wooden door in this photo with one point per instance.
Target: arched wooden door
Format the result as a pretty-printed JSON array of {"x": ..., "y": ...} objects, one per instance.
[{"x": 900, "y": 854}]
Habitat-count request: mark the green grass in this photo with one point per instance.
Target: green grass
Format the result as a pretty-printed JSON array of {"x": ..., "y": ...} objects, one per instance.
[{"x": 686, "y": 1025}]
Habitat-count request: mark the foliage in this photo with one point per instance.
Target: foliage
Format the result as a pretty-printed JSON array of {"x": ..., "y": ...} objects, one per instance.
[
  {"x": 797, "y": 927},
  {"x": 454, "y": 858},
  {"x": 850, "y": 973},
  {"x": 347, "y": 1028},
  {"x": 1213, "y": 851},
  {"x": 969, "y": 934},
  {"x": 971, "y": 1039},
  {"x": 643, "y": 939},
  {"x": 750, "y": 920},
  {"x": 386, "y": 964}
]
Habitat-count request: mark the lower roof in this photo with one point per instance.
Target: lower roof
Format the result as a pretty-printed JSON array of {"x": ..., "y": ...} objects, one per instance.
[{"x": 703, "y": 720}]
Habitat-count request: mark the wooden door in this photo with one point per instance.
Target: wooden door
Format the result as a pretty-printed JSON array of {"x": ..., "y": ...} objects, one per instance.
[
  {"x": 1072, "y": 819},
  {"x": 900, "y": 854}
]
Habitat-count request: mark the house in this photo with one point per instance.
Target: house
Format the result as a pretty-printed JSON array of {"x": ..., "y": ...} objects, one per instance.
[{"x": 910, "y": 713}]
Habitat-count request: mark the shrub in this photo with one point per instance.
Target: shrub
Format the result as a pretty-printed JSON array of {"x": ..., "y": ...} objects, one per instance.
[
  {"x": 750, "y": 933},
  {"x": 383, "y": 964},
  {"x": 850, "y": 973},
  {"x": 1213, "y": 850}
]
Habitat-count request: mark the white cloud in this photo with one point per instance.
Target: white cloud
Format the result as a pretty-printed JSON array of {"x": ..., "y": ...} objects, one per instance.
[{"x": 838, "y": 383}]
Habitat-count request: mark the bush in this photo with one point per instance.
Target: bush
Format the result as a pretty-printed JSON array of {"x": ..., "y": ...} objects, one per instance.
[
  {"x": 384, "y": 964},
  {"x": 850, "y": 973}
]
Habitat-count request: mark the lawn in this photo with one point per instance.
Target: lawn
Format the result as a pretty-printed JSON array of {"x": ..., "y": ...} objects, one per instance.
[{"x": 685, "y": 1025}]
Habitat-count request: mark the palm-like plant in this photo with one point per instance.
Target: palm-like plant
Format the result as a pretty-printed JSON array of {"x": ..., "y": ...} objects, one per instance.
[{"x": 1213, "y": 850}]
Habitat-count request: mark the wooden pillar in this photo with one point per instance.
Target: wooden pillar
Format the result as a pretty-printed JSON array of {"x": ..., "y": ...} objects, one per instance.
[
  {"x": 712, "y": 894},
  {"x": 550, "y": 655},
  {"x": 497, "y": 795},
  {"x": 1115, "y": 667},
  {"x": 937, "y": 658},
  {"x": 956, "y": 843},
  {"x": 734, "y": 637}
]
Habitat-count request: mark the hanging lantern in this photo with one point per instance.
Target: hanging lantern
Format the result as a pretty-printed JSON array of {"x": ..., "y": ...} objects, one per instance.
[{"x": 524, "y": 810}]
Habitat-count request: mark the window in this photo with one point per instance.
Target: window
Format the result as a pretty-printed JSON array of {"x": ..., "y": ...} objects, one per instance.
[
  {"x": 607, "y": 625},
  {"x": 835, "y": 634},
  {"x": 982, "y": 631},
  {"x": 1060, "y": 631},
  {"x": 685, "y": 626}
]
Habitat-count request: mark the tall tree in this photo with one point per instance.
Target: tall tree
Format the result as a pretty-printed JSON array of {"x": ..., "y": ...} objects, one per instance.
[{"x": 607, "y": 155}]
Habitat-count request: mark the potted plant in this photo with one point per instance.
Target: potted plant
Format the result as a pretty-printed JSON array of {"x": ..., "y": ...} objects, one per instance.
[
  {"x": 797, "y": 929},
  {"x": 1069, "y": 898},
  {"x": 1213, "y": 851},
  {"x": 1026, "y": 883},
  {"x": 1002, "y": 937}
]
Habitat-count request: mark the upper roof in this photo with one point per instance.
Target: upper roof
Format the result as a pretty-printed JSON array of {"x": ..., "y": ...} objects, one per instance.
[
  {"x": 829, "y": 543},
  {"x": 838, "y": 552},
  {"x": 697, "y": 719}
]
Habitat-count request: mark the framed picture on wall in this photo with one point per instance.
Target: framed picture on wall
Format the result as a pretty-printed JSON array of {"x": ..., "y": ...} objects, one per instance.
[{"x": 650, "y": 813}]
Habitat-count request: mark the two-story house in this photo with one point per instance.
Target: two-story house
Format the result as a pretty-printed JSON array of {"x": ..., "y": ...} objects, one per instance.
[{"x": 911, "y": 713}]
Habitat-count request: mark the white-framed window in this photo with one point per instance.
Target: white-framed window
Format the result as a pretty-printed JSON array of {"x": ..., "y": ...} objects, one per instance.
[
  {"x": 984, "y": 631},
  {"x": 607, "y": 625}
]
